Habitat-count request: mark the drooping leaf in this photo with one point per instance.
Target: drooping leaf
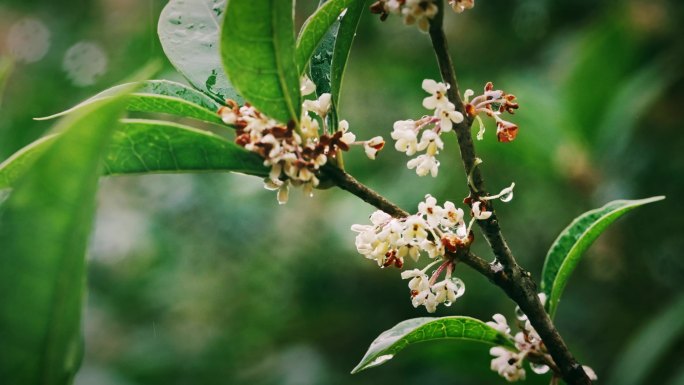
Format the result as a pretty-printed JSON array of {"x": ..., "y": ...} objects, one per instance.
[
  {"x": 567, "y": 250},
  {"x": 414, "y": 330},
  {"x": 316, "y": 27},
  {"x": 189, "y": 34},
  {"x": 637, "y": 362},
  {"x": 148, "y": 146},
  {"x": 258, "y": 52},
  {"x": 160, "y": 96},
  {"x": 44, "y": 227}
]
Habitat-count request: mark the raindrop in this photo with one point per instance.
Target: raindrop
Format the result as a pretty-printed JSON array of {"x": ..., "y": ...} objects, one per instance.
[
  {"x": 84, "y": 62},
  {"x": 380, "y": 360},
  {"x": 28, "y": 40},
  {"x": 507, "y": 197},
  {"x": 460, "y": 286},
  {"x": 539, "y": 368},
  {"x": 175, "y": 18},
  {"x": 519, "y": 314}
]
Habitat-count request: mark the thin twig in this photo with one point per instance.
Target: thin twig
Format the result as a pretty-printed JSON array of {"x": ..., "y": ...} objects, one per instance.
[{"x": 347, "y": 182}]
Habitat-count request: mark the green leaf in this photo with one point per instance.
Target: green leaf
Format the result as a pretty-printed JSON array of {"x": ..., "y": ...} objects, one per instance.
[
  {"x": 343, "y": 44},
  {"x": 414, "y": 330},
  {"x": 148, "y": 146},
  {"x": 44, "y": 227},
  {"x": 330, "y": 57},
  {"x": 567, "y": 250},
  {"x": 189, "y": 34},
  {"x": 258, "y": 52},
  {"x": 649, "y": 347},
  {"x": 316, "y": 27},
  {"x": 160, "y": 96}
]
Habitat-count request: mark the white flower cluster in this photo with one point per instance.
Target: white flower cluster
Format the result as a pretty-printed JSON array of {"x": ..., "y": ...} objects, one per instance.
[
  {"x": 417, "y": 12},
  {"x": 493, "y": 103},
  {"x": 509, "y": 363},
  {"x": 406, "y": 132},
  {"x": 294, "y": 154},
  {"x": 432, "y": 231}
]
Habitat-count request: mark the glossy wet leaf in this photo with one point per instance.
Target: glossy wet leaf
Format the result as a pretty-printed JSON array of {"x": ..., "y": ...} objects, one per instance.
[
  {"x": 148, "y": 146},
  {"x": 160, "y": 96},
  {"x": 258, "y": 52},
  {"x": 189, "y": 34},
  {"x": 329, "y": 60},
  {"x": 567, "y": 250},
  {"x": 343, "y": 44},
  {"x": 415, "y": 330},
  {"x": 44, "y": 227},
  {"x": 144, "y": 146},
  {"x": 316, "y": 27}
]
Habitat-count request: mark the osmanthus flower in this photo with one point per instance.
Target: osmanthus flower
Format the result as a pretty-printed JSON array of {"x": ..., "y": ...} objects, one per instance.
[
  {"x": 508, "y": 361},
  {"x": 406, "y": 136},
  {"x": 500, "y": 323},
  {"x": 294, "y": 154},
  {"x": 432, "y": 231},
  {"x": 493, "y": 103},
  {"x": 418, "y": 12},
  {"x": 480, "y": 211},
  {"x": 407, "y": 132},
  {"x": 424, "y": 164},
  {"x": 373, "y": 145},
  {"x": 438, "y": 97}
]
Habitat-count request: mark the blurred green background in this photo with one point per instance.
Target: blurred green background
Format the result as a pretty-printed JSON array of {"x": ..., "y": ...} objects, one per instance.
[{"x": 204, "y": 279}]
